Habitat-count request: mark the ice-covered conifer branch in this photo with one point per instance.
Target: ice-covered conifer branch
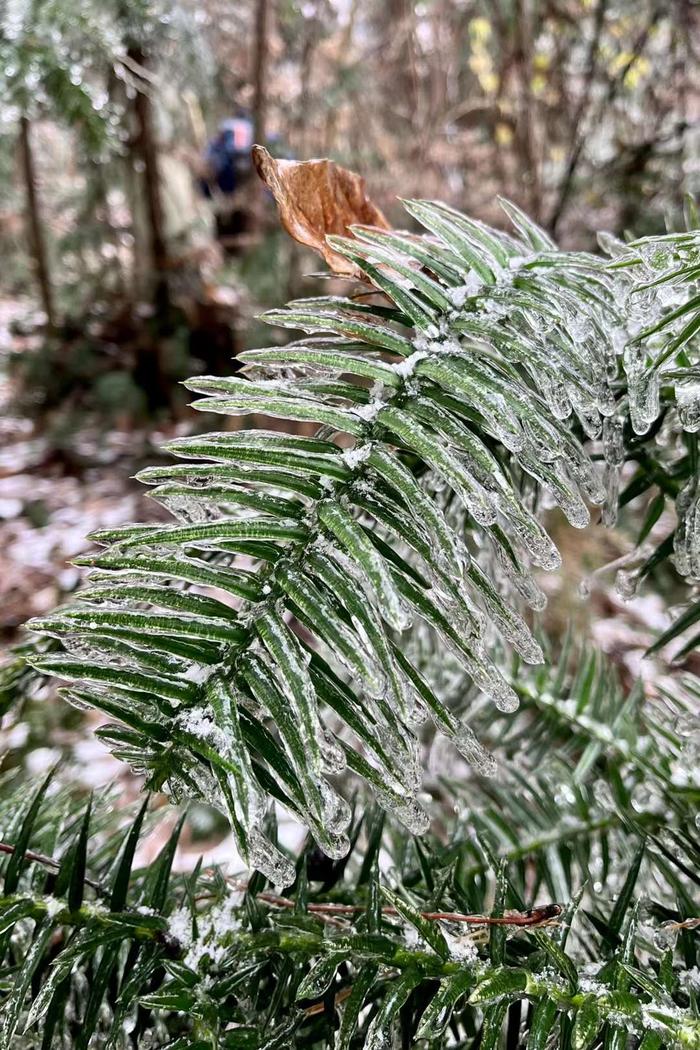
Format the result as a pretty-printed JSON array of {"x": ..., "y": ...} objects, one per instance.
[{"x": 255, "y": 648}]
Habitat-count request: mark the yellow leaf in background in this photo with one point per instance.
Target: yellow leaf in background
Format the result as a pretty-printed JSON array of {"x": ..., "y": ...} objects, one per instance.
[
  {"x": 503, "y": 134},
  {"x": 541, "y": 61},
  {"x": 480, "y": 29},
  {"x": 489, "y": 83},
  {"x": 316, "y": 198},
  {"x": 619, "y": 62},
  {"x": 637, "y": 71},
  {"x": 538, "y": 84},
  {"x": 479, "y": 62}
]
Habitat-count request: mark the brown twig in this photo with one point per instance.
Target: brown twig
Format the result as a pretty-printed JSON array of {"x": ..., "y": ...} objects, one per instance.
[
  {"x": 685, "y": 924},
  {"x": 614, "y": 85},
  {"x": 541, "y": 916},
  {"x": 49, "y": 862}
]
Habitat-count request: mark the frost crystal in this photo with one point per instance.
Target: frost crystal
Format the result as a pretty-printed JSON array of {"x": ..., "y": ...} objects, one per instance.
[
  {"x": 459, "y": 295},
  {"x": 370, "y": 411},
  {"x": 462, "y": 947},
  {"x": 354, "y": 457},
  {"x": 214, "y": 930},
  {"x": 200, "y": 722},
  {"x": 405, "y": 368}
]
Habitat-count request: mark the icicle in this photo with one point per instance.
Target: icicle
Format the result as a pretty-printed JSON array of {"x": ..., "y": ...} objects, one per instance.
[
  {"x": 556, "y": 395},
  {"x": 408, "y": 811},
  {"x": 273, "y": 864},
  {"x": 417, "y": 713},
  {"x": 644, "y": 401},
  {"x": 605, "y": 397},
  {"x": 448, "y": 546},
  {"x": 666, "y": 936},
  {"x": 335, "y": 845},
  {"x": 478, "y": 502},
  {"x": 686, "y": 541},
  {"x": 693, "y": 533},
  {"x": 554, "y": 478},
  {"x": 688, "y": 404},
  {"x": 510, "y": 624},
  {"x": 516, "y": 631},
  {"x": 459, "y": 610},
  {"x": 536, "y": 541},
  {"x": 584, "y": 473},
  {"x": 489, "y": 680},
  {"x": 687, "y": 725},
  {"x": 189, "y": 511},
  {"x": 580, "y": 329},
  {"x": 473, "y": 752},
  {"x": 524, "y": 583},
  {"x": 611, "y": 245},
  {"x": 618, "y": 341},
  {"x": 368, "y": 562},
  {"x": 613, "y": 443},
  {"x": 408, "y": 770},
  {"x": 291, "y": 672},
  {"x": 587, "y": 412},
  {"x": 611, "y": 481},
  {"x": 614, "y": 453},
  {"x": 337, "y": 814},
  {"x": 332, "y": 755},
  {"x": 642, "y": 389},
  {"x": 504, "y": 697}
]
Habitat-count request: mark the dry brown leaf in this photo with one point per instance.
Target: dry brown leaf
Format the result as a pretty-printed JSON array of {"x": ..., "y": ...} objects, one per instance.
[{"x": 316, "y": 198}]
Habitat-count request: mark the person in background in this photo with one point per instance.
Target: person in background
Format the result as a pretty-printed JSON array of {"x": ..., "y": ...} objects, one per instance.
[{"x": 227, "y": 171}]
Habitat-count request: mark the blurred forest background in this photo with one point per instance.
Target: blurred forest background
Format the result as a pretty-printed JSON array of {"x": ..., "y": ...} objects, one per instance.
[{"x": 138, "y": 246}]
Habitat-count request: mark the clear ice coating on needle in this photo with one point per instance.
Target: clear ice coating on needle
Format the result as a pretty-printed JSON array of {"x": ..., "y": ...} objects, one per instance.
[{"x": 688, "y": 404}]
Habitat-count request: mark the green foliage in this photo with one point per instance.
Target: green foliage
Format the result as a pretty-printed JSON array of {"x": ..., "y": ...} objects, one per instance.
[
  {"x": 327, "y": 601},
  {"x": 143, "y": 956},
  {"x": 498, "y": 367},
  {"x": 46, "y": 49}
]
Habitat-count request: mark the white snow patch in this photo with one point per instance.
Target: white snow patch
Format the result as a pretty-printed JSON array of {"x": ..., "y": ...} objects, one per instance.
[
  {"x": 354, "y": 457},
  {"x": 406, "y": 368},
  {"x": 462, "y": 292},
  {"x": 370, "y": 411}
]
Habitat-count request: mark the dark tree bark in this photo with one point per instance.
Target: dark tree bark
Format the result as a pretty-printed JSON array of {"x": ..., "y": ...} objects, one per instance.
[
  {"x": 526, "y": 123},
  {"x": 145, "y": 150},
  {"x": 262, "y": 50},
  {"x": 36, "y": 229},
  {"x": 259, "y": 78}
]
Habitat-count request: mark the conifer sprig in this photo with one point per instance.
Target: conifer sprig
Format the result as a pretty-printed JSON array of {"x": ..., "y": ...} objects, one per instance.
[{"x": 255, "y": 648}]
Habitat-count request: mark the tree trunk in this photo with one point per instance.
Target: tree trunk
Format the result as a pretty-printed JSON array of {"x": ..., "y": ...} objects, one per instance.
[
  {"x": 146, "y": 151},
  {"x": 526, "y": 123},
  {"x": 259, "y": 77},
  {"x": 36, "y": 230},
  {"x": 260, "y": 72}
]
